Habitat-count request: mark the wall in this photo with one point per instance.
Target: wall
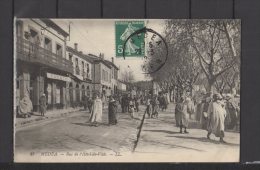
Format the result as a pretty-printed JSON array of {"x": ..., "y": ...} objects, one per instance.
[
  {"x": 74, "y": 56},
  {"x": 28, "y": 23},
  {"x": 103, "y": 82}
]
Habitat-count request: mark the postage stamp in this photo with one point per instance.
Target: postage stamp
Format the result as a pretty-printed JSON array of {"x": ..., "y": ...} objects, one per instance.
[{"x": 135, "y": 46}]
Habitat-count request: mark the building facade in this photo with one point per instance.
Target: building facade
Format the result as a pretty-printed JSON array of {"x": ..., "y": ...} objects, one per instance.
[
  {"x": 101, "y": 77},
  {"x": 41, "y": 64},
  {"x": 114, "y": 76},
  {"x": 81, "y": 84}
]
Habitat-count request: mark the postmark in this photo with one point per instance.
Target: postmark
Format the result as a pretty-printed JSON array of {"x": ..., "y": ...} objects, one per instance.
[
  {"x": 135, "y": 46},
  {"x": 156, "y": 49}
]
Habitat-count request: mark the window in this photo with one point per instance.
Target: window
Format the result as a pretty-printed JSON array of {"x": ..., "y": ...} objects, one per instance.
[
  {"x": 70, "y": 57},
  {"x": 77, "y": 62},
  {"x": 58, "y": 50},
  {"x": 83, "y": 69},
  {"x": 33, "y": 37},
  {"x": 77, "y": 66},
  {"x": 103, "y": 75},
  {"x": 47, "y": 44}
]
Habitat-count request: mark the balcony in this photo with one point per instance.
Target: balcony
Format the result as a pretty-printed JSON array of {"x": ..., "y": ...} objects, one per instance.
[
  {"x": 77, "y": 71},
  {"x": 30, "y": 52}
]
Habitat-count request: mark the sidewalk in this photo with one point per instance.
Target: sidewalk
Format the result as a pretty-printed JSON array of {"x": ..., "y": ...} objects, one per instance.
[
  {"x": 160, "y": 139},
  {"x": 36, "y": 116},
  {"x": 51, "y": 114}
]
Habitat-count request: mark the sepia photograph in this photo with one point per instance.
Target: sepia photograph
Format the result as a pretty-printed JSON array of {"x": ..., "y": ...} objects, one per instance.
[{"x": 126, "y": 90}]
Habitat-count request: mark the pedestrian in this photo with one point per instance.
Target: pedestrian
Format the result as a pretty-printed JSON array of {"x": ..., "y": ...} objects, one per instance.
[
  {"x": 90, "y": 104},
  {"x": 127, "y": 100},
  {"x": 199, "y": 106},
  {"x": 25, "y": 106},
  {"x": 132, "y": 108},
  {"x": 43, "y": 104},
  {"x": 205, "y": 106},
  {"x": 155, "y": 106},
  {"x": 85, "y": 102},
  {"x": 137, "y": 102},
  {"x": 181, "y": 113},
  {"x": 190, "y": 106},
  {"x": 96, "y": 111},
  {"x": 232, "y": 110},
  {"x": 217, "y": 114},
  {"x": 148, "y": 109},
  {"x": 112, "y": 111}
]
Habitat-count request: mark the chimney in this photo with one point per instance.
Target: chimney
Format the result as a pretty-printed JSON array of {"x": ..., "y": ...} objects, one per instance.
[
  {"x": 101, "y": 55},
  {"x": 76, "y": 46},
  {"x": 112, "y": 59}
]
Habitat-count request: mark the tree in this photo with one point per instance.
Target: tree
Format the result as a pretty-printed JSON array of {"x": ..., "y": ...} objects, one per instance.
[{"x": 215, "y": 46}]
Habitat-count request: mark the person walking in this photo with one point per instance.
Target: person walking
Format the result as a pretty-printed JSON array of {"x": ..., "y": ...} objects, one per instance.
[
  {"x": 96, "y": 111},
  {"x": 43, "y": 105},
  {"x": 217, "y": 114},
  {"x": 181, "y": 113},
  {"x": 190, "y": 107},
  {"x": 205, "y": 106},
  {"x": 148, "y": 109},
  {"x": 132, "y": 108},
  {"x": 90, "y": 104},
  {"x": 85, "y": 102},
  {"x": 155, "y": 109},
  {"x": 137, "y": 102},
  {"x": 232, "y": 112},
  {"x": 112, "y": 111}
]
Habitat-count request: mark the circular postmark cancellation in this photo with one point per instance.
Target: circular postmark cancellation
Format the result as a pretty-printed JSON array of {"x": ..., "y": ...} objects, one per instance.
[{"x": 156, "y": 49}]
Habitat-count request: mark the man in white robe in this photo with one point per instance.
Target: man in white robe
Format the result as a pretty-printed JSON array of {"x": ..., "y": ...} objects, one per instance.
[
  {"x": 97, "y": 111},
  {"x": 217, "y": 114}
]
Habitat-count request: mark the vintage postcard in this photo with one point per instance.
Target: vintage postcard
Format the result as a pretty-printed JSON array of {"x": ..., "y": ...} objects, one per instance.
[{"x": 126, "y": 90}]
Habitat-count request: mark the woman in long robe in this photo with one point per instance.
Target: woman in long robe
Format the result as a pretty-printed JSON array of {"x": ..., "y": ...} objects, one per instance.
[
  {"x": 217, "y": 114},
  {"x": 96, "y": 111},
  {"x": 112, "y": 112}
]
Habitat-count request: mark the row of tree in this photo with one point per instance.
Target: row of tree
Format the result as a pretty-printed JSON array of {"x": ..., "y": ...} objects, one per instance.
[{"x": 200, "y": 51}]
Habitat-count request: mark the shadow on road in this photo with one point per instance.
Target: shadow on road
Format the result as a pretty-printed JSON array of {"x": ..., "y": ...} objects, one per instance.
[
  {"x": 164, "y": 131},
  {"x": 204, "y": 139},
  {"x": 90, "y": 124},
  {"x": 174, "y": 146}
]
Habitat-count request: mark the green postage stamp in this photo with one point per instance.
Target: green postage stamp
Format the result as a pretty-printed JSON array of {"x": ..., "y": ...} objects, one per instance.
[{"x": 135, "y": 46}]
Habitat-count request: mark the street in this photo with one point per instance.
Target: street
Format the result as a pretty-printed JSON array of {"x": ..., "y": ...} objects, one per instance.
[{"x": 159, "y": 141}]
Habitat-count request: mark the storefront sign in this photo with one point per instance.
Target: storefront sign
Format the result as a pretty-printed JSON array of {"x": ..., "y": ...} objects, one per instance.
[{"x": 58, "y": 77}]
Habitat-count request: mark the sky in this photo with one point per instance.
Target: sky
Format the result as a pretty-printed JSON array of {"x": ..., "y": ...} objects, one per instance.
[{"x": 97, "y": 36}]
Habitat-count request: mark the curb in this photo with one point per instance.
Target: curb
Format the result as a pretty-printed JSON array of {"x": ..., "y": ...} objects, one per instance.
[
  {"x": 139, "y": 129},
  {"x": 41, "y": 119}
]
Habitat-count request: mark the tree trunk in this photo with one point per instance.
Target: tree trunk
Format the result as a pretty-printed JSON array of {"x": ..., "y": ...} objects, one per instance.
[{"x": 210, "y": 86}]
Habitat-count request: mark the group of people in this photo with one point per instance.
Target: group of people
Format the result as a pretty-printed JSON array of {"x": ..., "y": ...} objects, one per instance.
[
  {"x": 214, "y": 112},
  {"x": 155, "y": 103},
  {"x": 97, "y": 111}
]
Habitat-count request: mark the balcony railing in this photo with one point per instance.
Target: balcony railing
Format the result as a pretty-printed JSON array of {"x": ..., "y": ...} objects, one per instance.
[{"x": 31, "y": 52}]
